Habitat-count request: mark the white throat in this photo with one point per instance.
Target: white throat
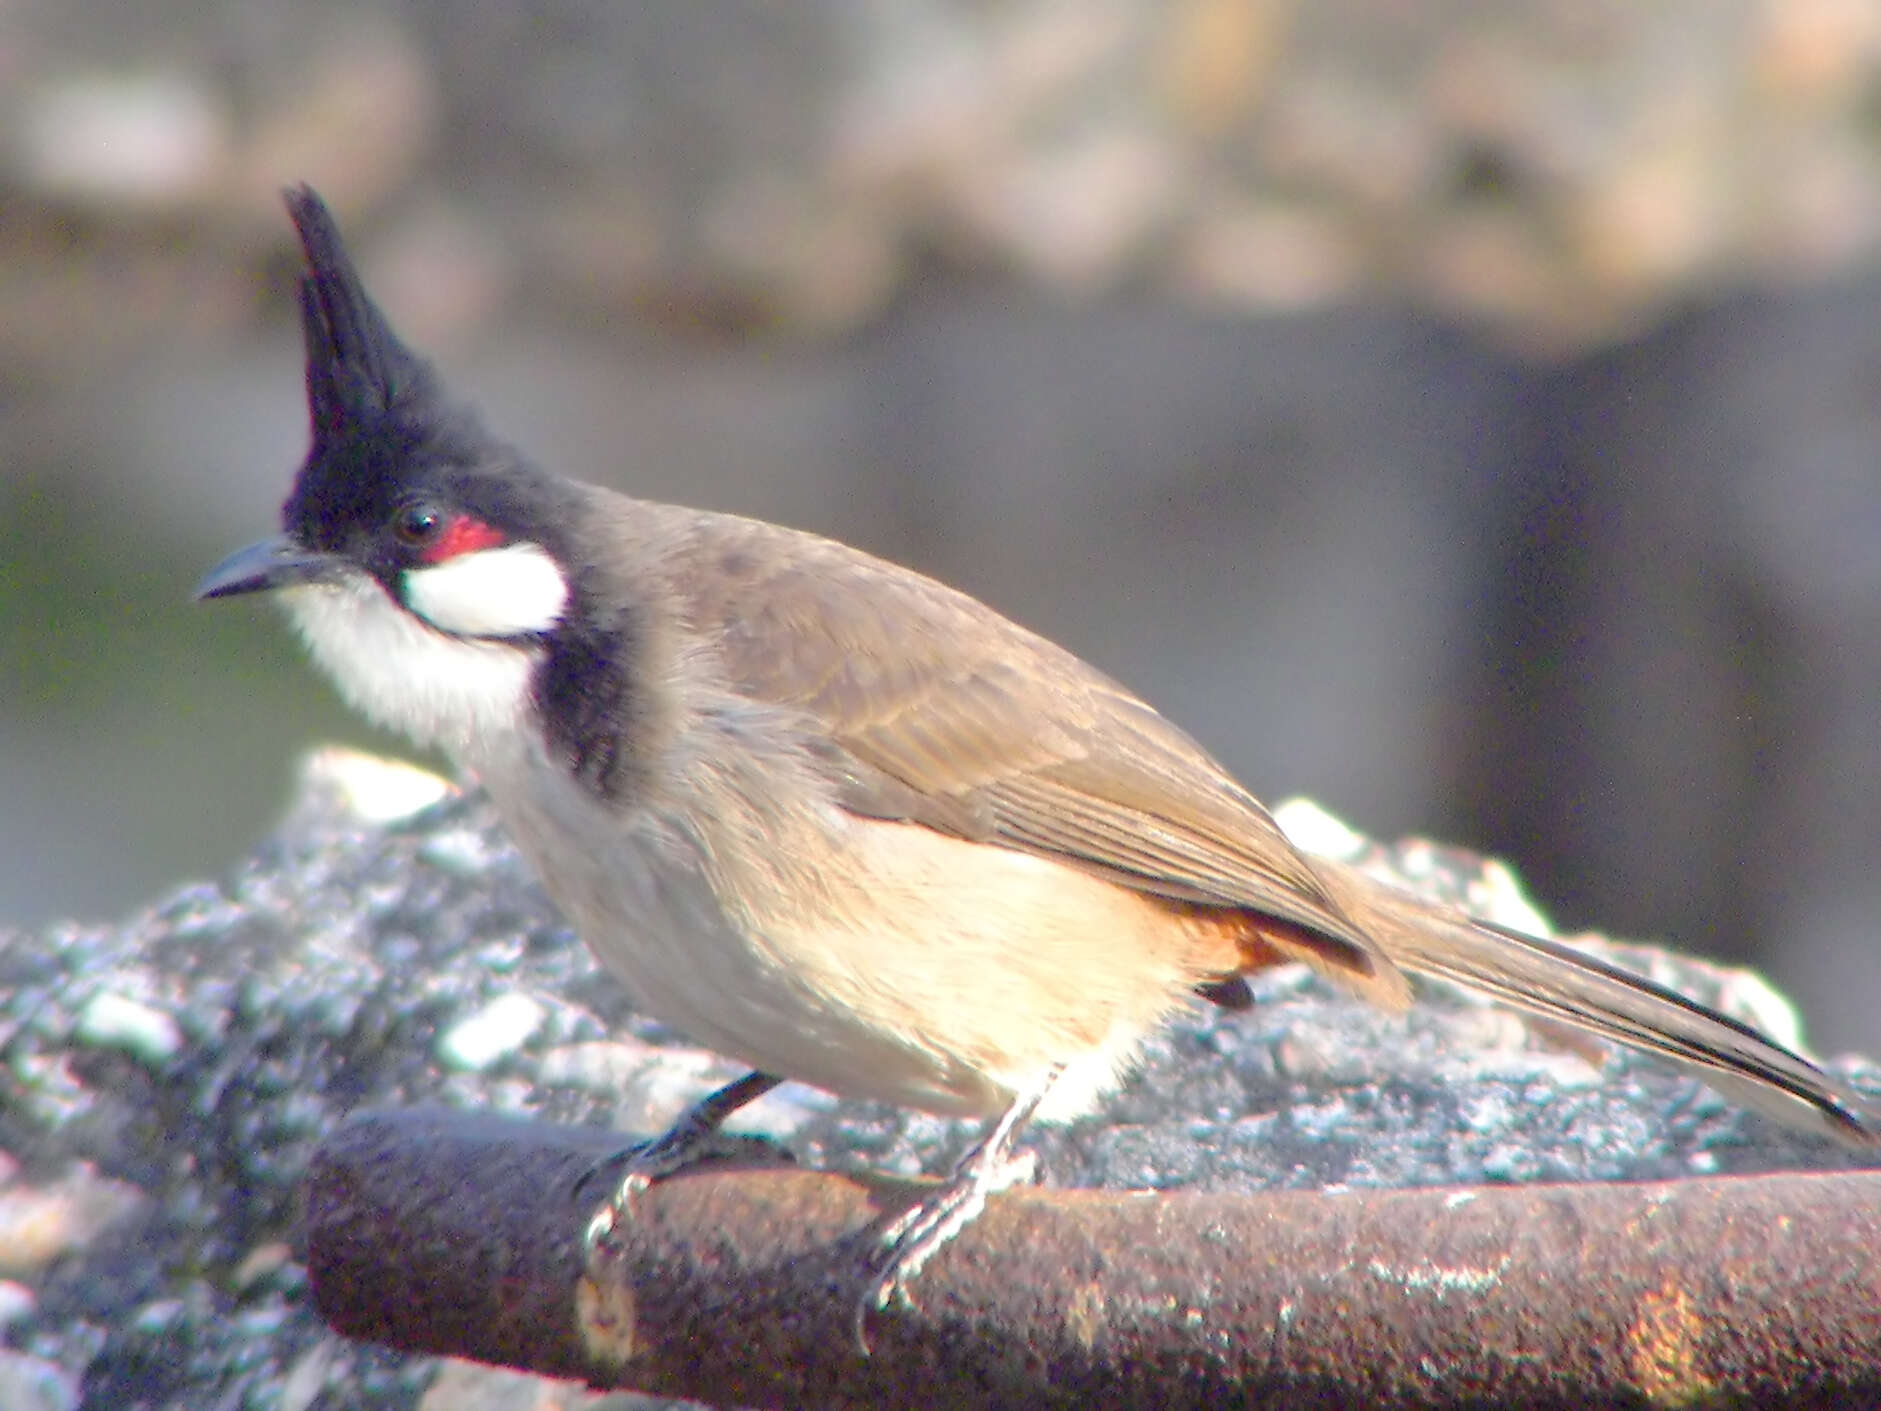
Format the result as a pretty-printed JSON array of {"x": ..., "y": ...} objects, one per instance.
[{"x": 465, "y": 697}]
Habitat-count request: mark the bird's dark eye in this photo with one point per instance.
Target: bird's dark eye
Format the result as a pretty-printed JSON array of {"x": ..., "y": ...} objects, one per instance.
[{"x": 417, "y": 525}]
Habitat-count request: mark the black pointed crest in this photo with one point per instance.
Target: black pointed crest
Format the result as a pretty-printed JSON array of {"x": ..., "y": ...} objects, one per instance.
[
  {"x": 356, "y": 365},
  {"x": 386, "y": 432}
]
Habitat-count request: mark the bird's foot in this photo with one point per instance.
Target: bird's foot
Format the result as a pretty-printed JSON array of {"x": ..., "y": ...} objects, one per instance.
[
  {"x": 693, "y": 1139},
  {"x": 904, "y": 1246}
]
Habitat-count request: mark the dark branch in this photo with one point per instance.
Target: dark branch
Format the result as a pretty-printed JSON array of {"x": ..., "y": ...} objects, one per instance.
[{"x": 445, "y": 1233}]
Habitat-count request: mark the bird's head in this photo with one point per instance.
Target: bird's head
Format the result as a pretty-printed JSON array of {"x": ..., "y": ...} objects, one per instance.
[{"x": 422, "y": 559}]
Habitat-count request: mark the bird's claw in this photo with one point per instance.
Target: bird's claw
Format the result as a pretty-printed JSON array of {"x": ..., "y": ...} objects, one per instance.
[
  {"x": 653, "y": 1161},
  {"x": 906, "y": 1243}
]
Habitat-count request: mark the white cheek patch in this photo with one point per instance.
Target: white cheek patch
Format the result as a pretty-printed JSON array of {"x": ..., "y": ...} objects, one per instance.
[{"x": 506, "y": 592}]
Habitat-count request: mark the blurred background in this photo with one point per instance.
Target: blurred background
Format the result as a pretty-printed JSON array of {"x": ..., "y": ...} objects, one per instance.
[{"x": 1465, "y": 414}]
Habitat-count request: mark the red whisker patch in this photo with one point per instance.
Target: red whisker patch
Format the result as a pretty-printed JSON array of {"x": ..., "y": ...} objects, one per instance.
[{"x": 465, "y": 534}]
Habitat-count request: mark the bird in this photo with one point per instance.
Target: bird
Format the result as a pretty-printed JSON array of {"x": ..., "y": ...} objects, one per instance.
[{"x": 832, "y": 818}]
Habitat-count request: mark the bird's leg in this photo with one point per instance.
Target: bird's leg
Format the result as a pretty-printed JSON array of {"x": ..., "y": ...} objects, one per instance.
[
  {"x": 693, "y": 1137},
  {"x": 913, "y": 1237}
]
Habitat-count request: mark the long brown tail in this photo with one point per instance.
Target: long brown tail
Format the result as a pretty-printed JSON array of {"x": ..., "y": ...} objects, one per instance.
[{"x": 1549, "y": 978}]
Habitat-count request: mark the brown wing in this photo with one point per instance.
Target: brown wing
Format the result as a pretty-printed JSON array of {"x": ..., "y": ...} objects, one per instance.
[{"x": 942, "y": 712}]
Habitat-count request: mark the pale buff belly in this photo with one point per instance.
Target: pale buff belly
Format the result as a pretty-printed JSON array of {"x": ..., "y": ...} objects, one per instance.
[{"x": 874, "y": 959}]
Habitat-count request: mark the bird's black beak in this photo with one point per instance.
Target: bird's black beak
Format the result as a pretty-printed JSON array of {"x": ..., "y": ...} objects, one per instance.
[{"x": 273, "y": 563}]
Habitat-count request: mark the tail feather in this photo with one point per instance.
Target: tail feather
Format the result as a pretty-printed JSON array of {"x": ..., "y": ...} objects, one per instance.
[{"x": 1548, "y": 978}]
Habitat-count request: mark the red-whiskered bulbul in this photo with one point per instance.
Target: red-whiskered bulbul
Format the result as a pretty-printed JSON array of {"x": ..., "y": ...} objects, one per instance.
[{"x": 829, "y": 816}]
